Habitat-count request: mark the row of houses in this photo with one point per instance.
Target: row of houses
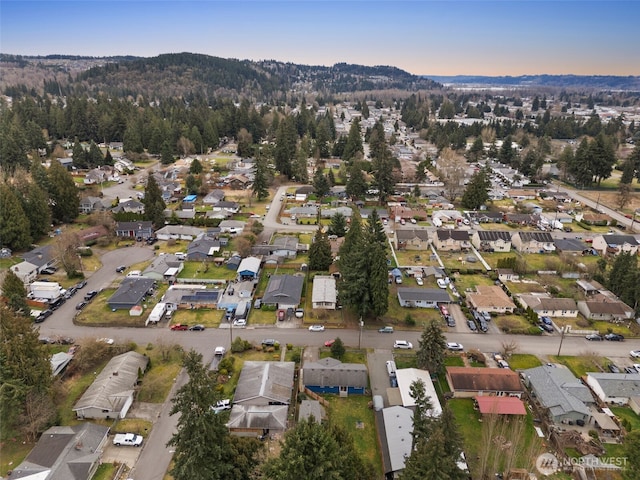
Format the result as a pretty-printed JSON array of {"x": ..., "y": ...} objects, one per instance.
[{"x": 503, "y": 241}]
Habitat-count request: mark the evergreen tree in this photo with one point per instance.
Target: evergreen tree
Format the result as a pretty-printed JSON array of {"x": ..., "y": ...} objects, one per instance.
[
  {"x": 166, "y": 156},
  {"x": 94, "y": 155},
  {"x": 476, "y": 151},
  {"x": 260, "y": 186},
  {"x": 196, "y": 167},
  {"x": 25, "y": 370},
  {"x": 64, "y": 194},
  {"x": 79, "y": 155},
  {"x": 320, "y": 258},
  {"x": 603, "y": 157},
  {"x": 202, "y": 445},
  {"x": 338, "y": 225},
  {"x": 331, "y": 178},
  {"x": 154, "y": 205},
  {"x": 337, "y": 349},
  {"x": 108, "y": 159},
  {"x": 430, "y": 355},
  {"x": 14, "y": 226},
  {"x": 628, "y": 172},
  {"x": 285, "y": 148},
  {"x": 354, "y": 142},
  {"x": 132, "y": 141},
  {"x": 378, "y": 284},
  {"x": 431, "y": 460},
  {"x": 382, "y": 165},
  {"x": 15, "y": 293},
  {"x": 320, "y": 184},
  {"x": 356, "y": 184},
  {"x": 476, "y": 192},
  {"x": 507, "y": 153}
]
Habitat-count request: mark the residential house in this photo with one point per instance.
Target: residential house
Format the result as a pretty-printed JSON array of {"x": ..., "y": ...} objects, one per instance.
[
  {"x": 93, "y": 204},
  {"x": 533, "y": 242},
  {"x": 41, "y": 257},
  {"x": 507, "y": 275},
  {"x": 138, "y": 230},
  {"x": 436, "y": 272},
  {"x": 164, "y": 267},
  {"x": 546, "y": 306},
  {"x": 304, "y": 211},
  {"x": 213, "y": 197},
  {"x": 596, "y": 219},
  {"x": 263, "y": 393},
  {"x": 411, "y": 239},
  {"x": 521, "y": 218},
  {"x": 185, "y": 214},
  {"x": 132, "y": 291},
  {"x": 129, "y": 206},
  {"x": 346, "y": 212},
  {"x": 285, "y": 247},
  {"x": 25, "y": 271},
  {"x": 283, "y": 291},
  {"x": 383, "y": 213},
  {"x": 614, "y": 388},
  {"x": 615, "y": 244},
  {"x": 203, "y": 248},
  {"x": 452, "y": 240},
  {"x": 561, "y": 394},
  {"x": 486, "y": 217},
  {"x": 191, "y": 297},
  {"x": 112, "y": 392},
  {"x": 238, "y": 182},
  {"x": 229, "y": 207},
  {"x": 589, "y": 287},
  {"x": 422, "y": 297},
  {"x": 234, "y": 262},
  {"x": 324, "y": 294},
  {"x": 95, "y": 176},
  {"x": 491, "y": 299},
  {"x": 605, "y": 307},
  {"x": 329, "y": 375},
  {"x": 570, "y": 245},
  {"x": 519, "y": 195},
  {"x": 397, "y": 447},
  {"x": 405, "y": 377},
  {"x": 249, "y": 268},
  {"x": 468, "y": 382},
  {"x": 179, "y": 232},
  {"x": 491, "y": 240},
  {"x": 65, "y": 452},
  {"x": 231, "y": 226}
]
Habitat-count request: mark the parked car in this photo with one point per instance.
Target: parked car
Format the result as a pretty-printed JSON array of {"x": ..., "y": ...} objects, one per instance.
[
  {"x": 81, "y": 285},
  {"x": 472, "y": 325},
  {"x": 240, "y": 322},
  {"x": 222, "y": 405},
  {"x": 197, "y": 328},
  {"x": 594, "y": 337},
  {"x": 635, "y": 353},
  {"x": 120, "y": 268},
  {"x": 299, "y": 313},
  {"x": 386, "y": 329},
  {"x": 42, "y": 316},
  {"x": 546, "y": 328},
  {"x": 546, "y": 320},
  {"x": 328, "y": 343},
  {"x": 614, "y": 337},
  {"x": 403, "y": 344},
  {"x": 258, "y": 303},
  {"x": 179, "y": 326},
  {"x": 316, "y": 328},
  {"x": 450, "y": 321},
  {"x": 419, "y": 281},
  {"x": 89, "y": 295},
  {"x": 71, "y": 291},
  {"x": 269, "y": 342},
  {"x": 613, "y": 368},
  {"x": 455, "y": 347},
  {"x": 631, "y": 370},
  {"x": 81, "y": 305},
  {"x": 48, "y": 271},
  {"x": 441, "y": 283}
]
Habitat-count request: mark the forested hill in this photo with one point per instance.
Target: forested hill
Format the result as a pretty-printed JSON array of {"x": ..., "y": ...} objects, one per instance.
[
  {"x": 600, "y": 82},
  {"x": 187, "y": 74}
]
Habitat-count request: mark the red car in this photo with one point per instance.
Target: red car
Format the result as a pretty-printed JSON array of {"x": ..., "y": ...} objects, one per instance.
[
  {"x": 179, "y": 326},
  {"x": 328, "y": 343}
]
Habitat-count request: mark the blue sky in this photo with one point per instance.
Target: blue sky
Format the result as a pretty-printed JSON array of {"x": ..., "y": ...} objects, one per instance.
[{"x": 451, "y": 37}]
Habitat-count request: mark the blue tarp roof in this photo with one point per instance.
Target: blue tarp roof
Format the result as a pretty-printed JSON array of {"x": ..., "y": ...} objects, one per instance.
[
  {"x": 190, "y": 198},
  {"x": 396, "y": 272}
]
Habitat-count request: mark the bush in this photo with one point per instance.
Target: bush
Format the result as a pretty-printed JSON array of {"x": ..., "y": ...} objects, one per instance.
[
  {"x": 296, "y": 356},
  {"x": 239, "y": 345},
  {"x": 85, "y": 252},
  {"x": 409, "y": 321},
  {"x": 227, "y": 364}
]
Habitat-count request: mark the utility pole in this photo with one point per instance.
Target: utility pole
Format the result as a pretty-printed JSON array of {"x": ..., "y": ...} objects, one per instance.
[
  {"x": 360, "y": 336},
  {"x": 564, "y": 330}
]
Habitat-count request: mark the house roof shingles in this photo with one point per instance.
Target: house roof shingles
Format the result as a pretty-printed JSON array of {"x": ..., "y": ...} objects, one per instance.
[
  {"x": 493, "y": 235},
  {"x": 283, "y": 289},
  {"x": 413, "y": 294},
  {"x": 270, "y": 380},
  {"x": 484, "y": 379}
]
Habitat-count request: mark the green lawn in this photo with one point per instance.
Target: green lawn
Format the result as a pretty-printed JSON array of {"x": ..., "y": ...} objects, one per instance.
[
  {"x": 206, "y": 270},
  {"x": 105, "y": 471},
  {"x": 465, "y": 282},
  {"x": 515, "y": 324},
  {"x": 97, "y": 313},
  {"x": 14, "y": 451},
  {"x": 580, "y": 365},
  {"x": 355, "y": 416},
  {"x": 627, "y": 414},
  {"x": 204, "y": 316},
  {"x": 523, "y": 361}
]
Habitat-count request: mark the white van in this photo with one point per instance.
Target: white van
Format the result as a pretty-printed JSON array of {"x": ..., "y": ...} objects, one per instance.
[{"x": 391, "y": 368}]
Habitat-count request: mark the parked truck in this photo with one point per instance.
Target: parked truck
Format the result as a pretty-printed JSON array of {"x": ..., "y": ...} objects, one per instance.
[
  {"x": 218, "y": 354},
  {"x": 242, "y": 310},
  {"x": 45, "y": 290},
  {"x": 127, "y": 439}
]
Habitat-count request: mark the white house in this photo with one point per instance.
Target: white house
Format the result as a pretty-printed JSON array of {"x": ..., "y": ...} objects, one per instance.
[{"x": 324, "y": 292}]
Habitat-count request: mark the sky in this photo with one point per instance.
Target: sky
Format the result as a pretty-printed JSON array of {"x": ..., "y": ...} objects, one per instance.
[{"x": 424, "y": 37}]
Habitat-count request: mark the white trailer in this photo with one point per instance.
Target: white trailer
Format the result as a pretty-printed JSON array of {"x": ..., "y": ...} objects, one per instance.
[
  {"x": 46, "y": 290},
  {"x": 157, "y": 313}
]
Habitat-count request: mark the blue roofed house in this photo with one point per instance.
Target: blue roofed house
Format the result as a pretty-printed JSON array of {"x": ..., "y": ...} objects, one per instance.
[
  {"x": 283, "y": 291},
  {"x": 142, "y": 229},
  {"x": 329, "y": 375}
]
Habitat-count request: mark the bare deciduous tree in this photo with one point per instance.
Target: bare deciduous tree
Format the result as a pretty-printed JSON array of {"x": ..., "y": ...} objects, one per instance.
[
  {"x": 508, "y": 348},
  {"x": 39, "y": 410},
  {"x": 66, "y": 251},
  {"x": 451, "y": 169}
]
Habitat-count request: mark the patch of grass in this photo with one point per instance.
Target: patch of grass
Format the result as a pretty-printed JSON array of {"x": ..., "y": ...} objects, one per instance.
[
  {"x": 206, "y": 270},
  {"x": 408, "y": 257},
  {"x": 515, "y": 324},
  {"x": 353, "y": 411},
  {"x": 14, "y": 451},
  {"x": 453, "y": 361},
  {"x": 208, "y": 317},
  {"x": 522, "y": 361},
  {"x": 627, "y": 414},
  {"x": 262, "y": 317},
  {"x": 350, "y": 356},
  {"x": 133, "y": 425},
  {"x": 607, "y": 327},
  {"x": 580, "y": 365},
  {"x": 524, "y": 287},
  {"x": 464, "y": 282},
  {"x": 105, "y": 471},
  {"x": 5, "y": 263},
  {"x": 157, "y": 382},
  {"x": 396, "y": 314},
  {"x": 74, "y": 387},
  {"x": 98, "y": 313}
]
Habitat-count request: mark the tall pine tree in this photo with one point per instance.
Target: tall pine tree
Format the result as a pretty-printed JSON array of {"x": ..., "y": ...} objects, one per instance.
[{"x": 154, "y": 205}]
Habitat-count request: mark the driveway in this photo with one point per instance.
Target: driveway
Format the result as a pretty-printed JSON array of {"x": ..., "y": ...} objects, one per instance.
[{"x": 378, "y": 376}]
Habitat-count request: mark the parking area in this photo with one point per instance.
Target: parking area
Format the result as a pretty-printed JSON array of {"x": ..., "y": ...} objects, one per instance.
[{"x": 378, "y": 375}]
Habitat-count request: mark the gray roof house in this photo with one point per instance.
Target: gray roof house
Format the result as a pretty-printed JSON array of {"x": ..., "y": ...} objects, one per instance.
[
  {"x": 69, "y": 452},
  {"x": 111, "y": 394},
  {"x": 129, "y": 206},
  {"x": 41, "y": 257},
  {"x": 257, "y": 420},
  {"x": 533, "y": 242},
  {"x": 141, "y": 229},
  {"x": 324, "y": 295},
  {"x": 286, "y": 247},
  {"x": 559, "y": 392},
  {"x": 411, "y": 238},
  {"x": 329, "y": 375},
  {"x": 203, "y": 248},
  {"x": 25, "y": 271},
  {"x": 131, "y": 292},
  {"x": 491, "y": 240},
  {"x": 179, "y": 232},
  {"x": 615, "y": 388},
  {"x": 213, "y": 197},
  {"x": 615, "y": 244},
  {"x": 265, "y": 383},
  {"x": 422, "y": 297},
  {"x": 451, "y": 240},
  {"x": 163, "y": 267},
  {"x": 283, "y": 291},
  {"x": 93, "y": 204},
  {"x": 396, "y": 438}
]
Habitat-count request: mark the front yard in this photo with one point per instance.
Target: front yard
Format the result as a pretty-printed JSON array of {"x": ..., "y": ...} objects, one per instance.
[{"x": 580, "y": 365}]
